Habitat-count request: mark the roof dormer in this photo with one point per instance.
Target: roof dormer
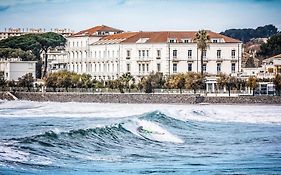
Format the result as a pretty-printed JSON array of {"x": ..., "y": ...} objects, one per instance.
[
  {"x": 142, "y": 40},
  {"x": 172, "y": 40}
]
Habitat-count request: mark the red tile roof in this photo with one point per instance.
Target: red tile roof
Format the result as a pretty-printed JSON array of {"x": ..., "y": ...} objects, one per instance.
[
  {"x": 125, "y": 35},
  {"x": 163, "y": 37},
  {"x": 93, "y": 30}
]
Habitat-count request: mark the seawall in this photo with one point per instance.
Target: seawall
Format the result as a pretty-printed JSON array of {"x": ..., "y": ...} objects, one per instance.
[{"x": 140, "y": 98}]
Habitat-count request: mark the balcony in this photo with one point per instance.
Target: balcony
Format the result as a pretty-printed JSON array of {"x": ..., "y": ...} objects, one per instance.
[{"x": 144, "y": 59}]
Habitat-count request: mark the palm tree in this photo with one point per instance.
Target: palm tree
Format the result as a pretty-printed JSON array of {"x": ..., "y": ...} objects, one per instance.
[
  {"x": 202, "y": 38},
  {"x": 127, "y": 78}
]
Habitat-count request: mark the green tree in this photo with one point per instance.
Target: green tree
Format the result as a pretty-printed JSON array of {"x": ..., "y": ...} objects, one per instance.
[
  {"x": 16, "y": 53},
  {"x": 252, "y": 83},
  {"x": 176, "y": 81},
  {"x": 277, "y": 83},
  {"x": 36, "y": 43},
  {"x": 26, "y": 81},
  {"x": 194, "y": 81},
  {"x": 63, "y": 79},
  {"x": 229, "y": 82},
  {"x": 51, "y": 81},
  {"x": 2, "y": 80},
  {"x": 11, "y": 83},
  {"x": 146, "y": 84},
  {"x": 86, "y": 80},
  {"x": 202, "y": 38},
  {"x": 151, "y": 82},
  {"x": 246, "y": 35},
  {"x": 222, "y": 80},
  {"x": 48, "y": 41},
  {"x": 272, "y": 47}
]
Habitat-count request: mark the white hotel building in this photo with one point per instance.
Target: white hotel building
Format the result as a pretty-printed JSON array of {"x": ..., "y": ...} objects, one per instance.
[{"x": 107, "y": 53}]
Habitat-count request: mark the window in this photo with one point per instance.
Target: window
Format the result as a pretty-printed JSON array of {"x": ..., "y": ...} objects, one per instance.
[
  {"x": 147, "y": 67},
  {"x": 143, "y": 53},
  {"x": 175, "y": 54},
  {"x": 128, "y": 67},
  {"x": 158, "y": 54},
  {"x": 158, "y": 67},
  {"x": 204, "y": 67},
  {"x": 128, "y": 54},
  {"x": 175, "y": 68},
  {"x": 204, "y": 53},
  {"x": 172, "y": 41},
  {"x": 104, "y": 67},
  {"x": 232, "y": 53},
  {"x": 218, "y": 53},
  {"x": 189, "y": 68},
  {"x": 143, "y": 67},
  {"x": 113, "y": 54},
  {"x": 218, "y": 67},
  {"x": 147, "y": 53},
  {"x": 189, "y": 53},
  {"x": 233, "y": 65},
  {"x": 215, "y": 41},
  {"x": 186, "y": 41},
  {"x": 139, "y": 67},
  {"x": 139, "y": 53}
]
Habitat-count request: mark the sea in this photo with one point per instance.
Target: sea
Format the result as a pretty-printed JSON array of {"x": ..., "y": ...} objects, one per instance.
[{"x": 120, "y": 139}]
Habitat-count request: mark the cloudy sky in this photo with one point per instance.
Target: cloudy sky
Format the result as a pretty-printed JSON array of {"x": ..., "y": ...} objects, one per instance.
[{"x": 135, "y": 15}]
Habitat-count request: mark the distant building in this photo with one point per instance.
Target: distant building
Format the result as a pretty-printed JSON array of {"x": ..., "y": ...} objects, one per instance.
[
  {"x": 57, "y": 59},
  {"x": 21, "y": 31},
  {"x": 272, "y": 65},
  {"x": 269, "y": 69},
  {"x": 14, "y": 68}
]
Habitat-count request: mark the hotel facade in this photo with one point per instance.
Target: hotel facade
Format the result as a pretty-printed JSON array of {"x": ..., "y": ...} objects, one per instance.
[{"x": 106, "y": 53}]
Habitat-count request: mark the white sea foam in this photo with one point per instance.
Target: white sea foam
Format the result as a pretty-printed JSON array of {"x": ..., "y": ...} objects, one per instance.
[
  {"x": 15, "y": 155},
  {"x": 150, "y": 130},
  {"x": 209, "y": 113}
]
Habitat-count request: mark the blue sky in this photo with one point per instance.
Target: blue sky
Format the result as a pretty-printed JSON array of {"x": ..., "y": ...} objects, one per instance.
[{"x": 146, "y": 15}]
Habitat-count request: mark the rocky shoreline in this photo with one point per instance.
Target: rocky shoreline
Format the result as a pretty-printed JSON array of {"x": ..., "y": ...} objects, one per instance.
[{"x": 139, "y": 98}]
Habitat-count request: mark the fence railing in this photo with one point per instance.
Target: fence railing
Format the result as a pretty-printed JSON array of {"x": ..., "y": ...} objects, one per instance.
[{"x": 155, "y": 91}]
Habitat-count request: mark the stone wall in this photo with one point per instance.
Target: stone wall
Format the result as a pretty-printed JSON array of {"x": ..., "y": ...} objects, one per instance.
[
  {"x": 142, "y": 98},
  {"x": 5, "y": 96}
]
